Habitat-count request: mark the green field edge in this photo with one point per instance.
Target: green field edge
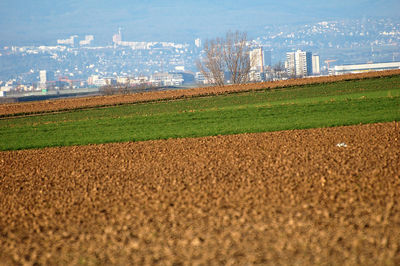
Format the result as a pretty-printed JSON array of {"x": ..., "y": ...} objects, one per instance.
[
  {"x": 345, "y": 103},
  {"x": 294, "y": 128},
  {"x": 226, "y": 132}
]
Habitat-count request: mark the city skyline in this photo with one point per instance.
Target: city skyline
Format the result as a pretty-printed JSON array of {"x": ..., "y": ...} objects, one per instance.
[
  {"x": 24, "y": 22},
  {"x": 81, "y": 60}
]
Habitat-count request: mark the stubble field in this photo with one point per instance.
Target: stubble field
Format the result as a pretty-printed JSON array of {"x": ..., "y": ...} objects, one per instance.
[{"x": 289, "y": 197}]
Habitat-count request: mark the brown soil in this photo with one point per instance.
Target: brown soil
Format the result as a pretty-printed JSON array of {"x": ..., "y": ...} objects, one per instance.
[
  {"x": 73, "y": 103},
  {"x": 291, "y": 197}
]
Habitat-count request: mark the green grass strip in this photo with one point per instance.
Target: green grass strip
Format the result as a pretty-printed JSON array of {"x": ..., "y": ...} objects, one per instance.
[{"x": 323, "y": 105}]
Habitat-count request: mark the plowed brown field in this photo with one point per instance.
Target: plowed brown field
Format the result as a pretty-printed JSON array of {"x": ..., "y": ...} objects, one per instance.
[
  {"x": 73, "y": 103},
  {"x": 291, "y": 197}
]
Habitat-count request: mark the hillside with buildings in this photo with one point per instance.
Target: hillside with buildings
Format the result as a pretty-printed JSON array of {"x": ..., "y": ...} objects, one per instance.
[{"x": 281, "y": 52}]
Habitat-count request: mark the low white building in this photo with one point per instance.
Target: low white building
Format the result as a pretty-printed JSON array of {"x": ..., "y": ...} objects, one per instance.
[
  {"x": 95, "y": 80},
  {"x": 166, "y": 79},
  {"x": 345, "y": 69},
  {"x": 6, "y": 88},
  {"x": 256, "y": 76},
  {"x": 88, "y": 39},
  {"x": 122, "y": 80}
]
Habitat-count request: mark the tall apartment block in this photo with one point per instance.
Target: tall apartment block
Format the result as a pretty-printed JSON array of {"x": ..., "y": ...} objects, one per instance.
[
  {"x": 117, "y": 38},
  {"x": 315, "y": 65},
  {"x": 257, "y": 60},
  {"x": 299, "y": 63},
  {"x": 267, "y": 58},
  {"x": 45, "y": 77}
]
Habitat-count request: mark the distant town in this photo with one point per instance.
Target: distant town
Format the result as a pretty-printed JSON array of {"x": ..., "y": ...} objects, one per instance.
[{"x": 78, "y": 63}]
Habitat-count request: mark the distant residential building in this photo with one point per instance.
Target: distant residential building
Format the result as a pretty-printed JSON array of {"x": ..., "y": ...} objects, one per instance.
[
  {"x": 197, "y": 42},
  {"x": 180, "y": 68},
  {"x": 188, "y": 77},
  {"x": 92, "y": 79},
  {"x": 290, "y": 64},
  {"x": 256, "y": 65},
  {"x": 69, "y": 41},
  {"x": 117, "y": 38},
  {"x": 6, "y": 88},
  {"x": 122, "y": 80},
  {"x": 166, "y": 79},
  {"x": 44, "y": 77},
  {"x": 267, "y": 58},
  {"x": 134, "y": 45},
  {"x": 88, "y": 39},
  {"x": 95, "y": 80},
  {"x": 139, "y": 80},
  {"x": 110, "y": 81},
  {"x": 344, "y": 69},
  {"x": 257, "y": 60},
  {"x": 256, "y": 76},
  {"x": 200, "y": 78},
  {"x": 299, "y": 63},
  {"x": 100, "y": 82},
  {"x": 315, "y": 65}
]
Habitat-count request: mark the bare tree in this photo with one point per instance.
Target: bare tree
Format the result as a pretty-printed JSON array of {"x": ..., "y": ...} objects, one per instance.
[
  {"x": 230, "y": 54},
  {"x": 236, "y": 57},
  {"x": 279, "y": 70},
  {"x": 212, "y": 66}
]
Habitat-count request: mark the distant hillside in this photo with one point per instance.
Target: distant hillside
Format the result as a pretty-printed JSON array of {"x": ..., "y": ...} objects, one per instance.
[{"x": 169, "y": 20}]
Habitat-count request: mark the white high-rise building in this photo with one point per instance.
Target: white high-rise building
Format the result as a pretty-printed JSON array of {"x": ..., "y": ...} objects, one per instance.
[
  {"x": 117, "y": 38},
  {"x": 44, "y": 78},
  {"x": 290, "y": 63},
  {"x": 315, "y": 65},
  {"x": 267, "y": 58},
  {"x": 257, "y": 60},
  {"x": 197, "y": 42},
  {"x": 299, "y": 63}
]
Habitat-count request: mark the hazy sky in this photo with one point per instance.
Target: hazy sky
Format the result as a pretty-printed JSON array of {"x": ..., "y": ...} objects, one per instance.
[{"x": 33, "y": 21}]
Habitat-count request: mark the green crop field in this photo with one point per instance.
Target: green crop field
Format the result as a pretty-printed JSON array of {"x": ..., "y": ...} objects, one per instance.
[{"x": 322, "y": 105}]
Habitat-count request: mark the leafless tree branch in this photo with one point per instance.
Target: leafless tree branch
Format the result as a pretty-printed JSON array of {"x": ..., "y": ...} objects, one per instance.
[{"x": 230, "y": 54}]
